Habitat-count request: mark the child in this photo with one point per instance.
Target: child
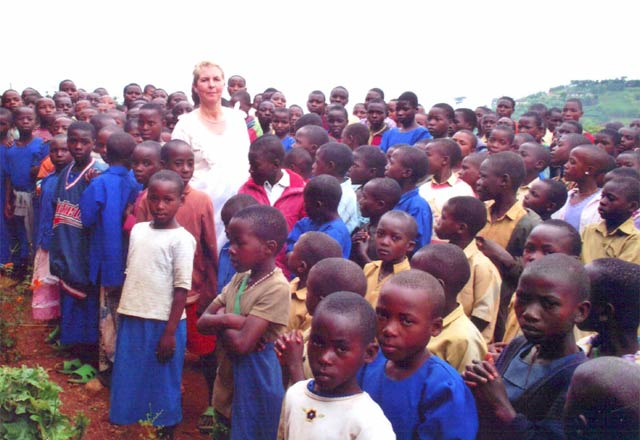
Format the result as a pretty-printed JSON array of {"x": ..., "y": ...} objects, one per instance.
[
  {"x": 586, "y": 164},
  {"x": 69, "y": 251},
  {"x": 409, "y": 313},
  {"x": 460, "y": 342},
  {"x": 533, "y": 124},
  {"x": 369, "y": 162},
  {"x": 333, "y": 405},
  {"x": 150, "y": 122},
  {"x": 603, "y": 401},
  {"x": 395, "y": 239},
  {"x": 300, "y": 162},
  {"x": 45, "y": 110},
  {"x": 629, "y": 139},
  {"x": 536, "y": 159},
  {"x": 376, "y": 116},
  {"x": 310, "y": 137},
  {"x": 500, "y": 139},
  {"x": 440, "y": 119},
  {"x": 408, "y": 132},
  {"x": 272, "y": 185},
  {"x": 242, "y": 100},
  {"x": 407, "y": 166},
  {"x": 61, "y": 125},
  {"x": 615, "y": 310},
  {"x": 281, "y": 127},
  {"x": 505, "y": 106},
  {"x": 335, "y": 159},
  {"x": 102, "y": 211},
  {"x": 295, "y": 113},
  {"x": 321, "y": 198},
  {"x": 470, "y": 168},
  {"x": 45, "y": 304},
  {"x": 311, "y": 248},
  {"x": 337, "y": 120},
  {"x": 265, "y": 116},
  {"x": 560, "y": 152},
  {"x": 152, "y": 334},
  {"x": 355, "y": 135},
  {"x": 522, "y": 396},
  {"x": 444, "y": 156},
  {"x": 252, "y": 309},
  {"x": 316, "y": 103},
  {"x": 462, "y": 218},
  {"x": 615, "y": 236},
  {"x": 630, "y": 159},
  {"x": 359, "y": 113},
  {"x": 145, "y": 162},
  {"x": 545, "y": 197},
  {"x": 467, "y": 141}
]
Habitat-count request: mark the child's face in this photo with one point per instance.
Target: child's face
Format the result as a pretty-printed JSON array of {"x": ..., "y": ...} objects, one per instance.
[
  {"x": 394, "y": 168},
  {"x": 405, "y": 322},
  {"x": 81, "y": 144},
  {"x": 421, "y": 120},
  {"x": 489, "y": 122},
  {"x": 25, "y": 120},
  {"x": 246, "y": 248},
  {"x": 145, "y": 162},
  {"x": 181, "y": 161},
  {"x": 265, "y": 112},
  {"x": 571, "y": 111},
  {"x": 446, "y": 226},
  {"x": 101, "y": 143},
  {"x": 391, "y": 108},
  {"x": 159, "y": 93},
  {"x": 11, "y": 100},
  {"x": 504, "y": 108},
  {"x": 235, "y": 84},
  {"x": 70, "y": 88},
  {"x": 150, "y": 125},
  {"x": 460, "y": 122},
  {"x": 437, "y": 161},
  {"x": 614, "y": 205},
  {"x": 321, "y": 166},
  {"x": 135, "y": 132},
  {"x": 64, "y": 105},
  {"x": 131, "y": 94},
  {"x": 375, "y": 115},
  {"x": 261, "y": 168},
  {"x": 175, "y": 98},
  {"x": 5, "y": 125},
  {"x": 560, "y": 152},
  {"x": 303, "y": 141},
  {"x": 563, "y": 129},
  {"x": 498, "y": 141},
  {"x": 469, "y": 172},
  {"x": 392, "y": 242},
  {"x": 182, "y": 107},
  {"x": 537, "y": 199},
  {"x": 295, "y": 262},
  {"x": 437, "y": 122},
  {"x": 106, "y": 99},
  {"x": 606, "y": 143},
  {"x": 554, "y": 119},
  {"x": 337, "y": 121},
  {"x": 464, "y": 140},
  {"x": 546, "y": 308},
  {"x": 339, "y": 96},
  {"x": 368, "y": 203},
  {"x": 45, "y": 108},
  {"x": 81, "y": 105},
  {"x": 371, "y": 94},
  {"x": 505, "y": 122},
  {"x": 316, "y": 103},
  {"x": 359, "y": 111},
  {"x": 628, "y": 160},
  {"x": 86, "y": 114},
  {"x": 575, "y": 168},
  {"x": 545, "y": 240},
  {"x": 531, "y": 164},
  {"x": 336, "y": 354},
  {"x": 280, "y": 124},
  {"x": 359, "y": 173},
  {"x": 627, "y": 139},
  {"x": 59, "y": 154},
  {"x": 527, "y": 124},
  {"x": 60, "y": 126},
  {"x": 294, "y": 114},
  {"x": 405, "y": 113},
  {"x": 279, "y": 101},
  {"x": 164, "y": 201},
  {"x": 489, "y": 183}
]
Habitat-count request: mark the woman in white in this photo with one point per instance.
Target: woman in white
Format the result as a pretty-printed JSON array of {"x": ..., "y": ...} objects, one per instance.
[{"x": 219, "y": 139}]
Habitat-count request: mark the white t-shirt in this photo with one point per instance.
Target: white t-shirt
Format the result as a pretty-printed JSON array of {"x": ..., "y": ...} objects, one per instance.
[
  {"x": 221, "y": 161},
  {"x": 348, "y": 207},
  {"x": 306, "y": 415},
  {"x": 159, "y": 261}
]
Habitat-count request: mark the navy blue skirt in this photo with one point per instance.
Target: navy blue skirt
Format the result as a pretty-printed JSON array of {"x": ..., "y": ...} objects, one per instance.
[{"x": 141, "y": 387}]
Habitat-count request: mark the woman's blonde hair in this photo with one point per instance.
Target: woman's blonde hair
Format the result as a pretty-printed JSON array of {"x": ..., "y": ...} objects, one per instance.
[{"x": 203, "y": 65}]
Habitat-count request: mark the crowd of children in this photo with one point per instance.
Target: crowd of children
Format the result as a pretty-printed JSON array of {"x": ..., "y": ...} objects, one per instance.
[{"x": 389, "y": 272}]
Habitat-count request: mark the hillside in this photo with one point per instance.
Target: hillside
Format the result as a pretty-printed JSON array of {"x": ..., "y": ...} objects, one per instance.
[{"x": 603, "y": 101}]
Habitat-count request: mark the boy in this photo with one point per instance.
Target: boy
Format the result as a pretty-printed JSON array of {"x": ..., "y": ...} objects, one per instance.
[
  {"x": 272, "y": 185},
  {"x": 409, "y": 313},
  {"x": 310, "y": 137},
  {"x": 337, "y": 119},
  {"x": 376, "y": 116},
  {"x": 440, "y": 120},
  {"x": 615, "y": 236},
  {"x": 252, "y": 309},
  {"x": 444, "y": 156},
  {"x": 545, "y": 197},
  {"x": 532, "y": 123},
  {"x": 395, "y": 239},
  {"x": 407, "y": 166},
  {"x": 281, "y": 128},
  {"x": 369, "y": 162},
  {"x": 300, "y": 162},
  {"x": 470, "y": 168},
  {"x": 152, "y": 334},
  {"x": 500, "y": 139},
  {"x": 536, "y": 160},
  {"x": 629, "y": 139},
  {"x": 522, "y": 396},
  {"x": 145, "y": 162},
  {"x": 150, "y": 122},
  {"x": 321, "y": 198},
  {"x": 355, "y": 135},
  {"x": 560, "y": 152},
  {"x": 462, "y": 218},
  {"x": 102, "y": 209},
  {"x": 467, "y": 141},
  {"x": 376, "y": 197},
  {"x": 342, "y": 340},
  {"x": 311, "y": 248},
  {"x": 460, "y": 342},
  {"x": 335, "y": 159},
  {"x": 408, "y": 132}
]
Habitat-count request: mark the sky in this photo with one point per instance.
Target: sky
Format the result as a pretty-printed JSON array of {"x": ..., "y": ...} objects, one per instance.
[{"x": 439, "y": 50}]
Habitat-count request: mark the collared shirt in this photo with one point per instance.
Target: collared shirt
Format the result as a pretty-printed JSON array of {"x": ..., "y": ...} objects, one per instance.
[
  {"x": 500, "y": 230},
  {"x": 437, "y": 194},
  {"x": 275, "y": 191},
  {"x": 623, "y": 242},
  {"x": 480, "y": 297},
  {"x": 372, "y": 274},
  {"x": 299, "y": 318},
  {"x": 460, "y": 342}
]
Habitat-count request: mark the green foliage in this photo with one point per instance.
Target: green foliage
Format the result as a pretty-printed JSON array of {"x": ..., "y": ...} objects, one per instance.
[
  {"x": 12, "y": 305},
  {"x": 30, "y": 407}
]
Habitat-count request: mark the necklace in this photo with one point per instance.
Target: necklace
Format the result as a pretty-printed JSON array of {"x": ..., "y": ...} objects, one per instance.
[{"x": 254, "y": 284}]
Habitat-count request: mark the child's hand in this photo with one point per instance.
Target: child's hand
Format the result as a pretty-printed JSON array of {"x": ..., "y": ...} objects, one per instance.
[
  {"x": 362, "y": 236},
  {"x": 91, "y": 174},
  {"x": 493, "y": 251},
  {"x": 166, "y": 348},
  {"x": 496, "y": 348},
  {"x": 289, "y": 347},
  {"x": 488, "y": 389}
]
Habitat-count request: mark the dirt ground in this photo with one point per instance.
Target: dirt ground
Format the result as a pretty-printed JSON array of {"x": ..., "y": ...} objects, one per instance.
[{"x": 33, "y": 351}]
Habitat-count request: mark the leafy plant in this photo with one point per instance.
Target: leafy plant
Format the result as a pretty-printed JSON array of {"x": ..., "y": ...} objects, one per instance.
[{"x": 30, "y": 407}]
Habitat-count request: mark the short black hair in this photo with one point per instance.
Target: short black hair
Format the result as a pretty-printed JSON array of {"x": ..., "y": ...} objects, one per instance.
[
  {"x": 124, "y": 90},
  {"x": 120, "y": 145},
  {"x": 378, "y": 91},
  {"x": 309, "y": 119},
  {"x": 372, "y": 156},
  {"x": 561, "y": 267},
  {"x": 315, "y": 246},
  {"x": 242, "y": 96},
  {"x": 629, "y": 187},
  {"x": 540, "y": 152},
  {"x": 338, "y": 107},
  {"x": 468, "y": 115},
  {"x": 468, "y": 210},
  {"x": 168, "y": 176},
  {"x": 415, "y": 159},
  {"x": 337, "y": 274},
  {"x": 83, "y": 126},
  {"x": 446, "y": 262},
  {"x": 166, "y": 149},
  {"x": 510, "y": 99},
  {"x": 6, "y": 113},
  {"x": 409, "y": 97},
  {"x": 537, "y": 117},
  {"x": 448, "y": 110},
  {"x": 354, "y": 307},
  {"x": 448, "y": 148},
  {"x": 269, "y": 146},
  {"x": 557, "y": 192},
  {"x": 318, "y": 92},
  {"x": 575, "y": 242},
  {"x": 385, "y": 188},
  {"x": 235, "y": 204},
  {"x": 316, "y": 134},
  {"x": 575, "y": 139},
  {"x": 154, "y": 107},
  {"x": 510, "y": 164},
  {"x": 301, "y": 155},
  {"x": 359, "y": 132},
  {"x": 410, "y": 224},
  {"x": 267, "y": 223},
  {"x": 326, "y": 189},
  {"x": 423, "y": 282},
  {"x": 624, "y": 172},
  {"x": 510, "y": 132},
  {"x": 576, "y": 125},
  {"x": 576, "y": 100},
  {"x": 101, "y": 120},
  {"x": 338, "y": 153},
  {"x": 539, "y": 108}
]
